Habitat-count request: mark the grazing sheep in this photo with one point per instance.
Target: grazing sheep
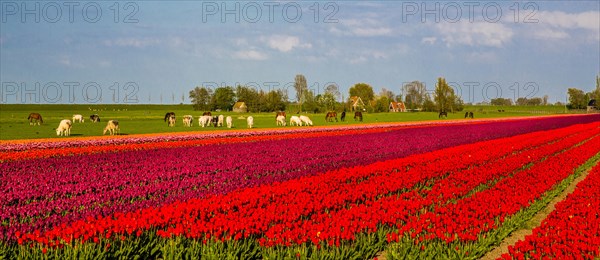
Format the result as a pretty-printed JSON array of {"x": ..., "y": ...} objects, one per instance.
[
  {"x": 188, "y": 120},
  {"x": 280, "y": 120},
  {"x": 306, "y": 120},
  {"x": 220, "y": 121},
  {"x": 295, "y": 120},
  {"x": 77, "y": 118},
  {"x": 203, "y": 121},
  {"x": 229, "y": 121},
  {"x": 112, "y": 127},
  {"x": 250, "y": 121},
  {"x": 64, "y": 128}
]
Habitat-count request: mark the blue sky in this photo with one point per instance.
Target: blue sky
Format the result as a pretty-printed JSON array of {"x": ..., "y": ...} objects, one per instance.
[{"x": 157, "y": 51}]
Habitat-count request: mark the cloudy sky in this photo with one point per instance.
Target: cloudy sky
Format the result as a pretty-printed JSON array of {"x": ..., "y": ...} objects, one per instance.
[{"x": 155, "y": 51}]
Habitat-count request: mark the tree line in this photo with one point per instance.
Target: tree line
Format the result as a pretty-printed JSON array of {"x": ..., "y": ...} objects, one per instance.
[{"x": 416, "y": 98}]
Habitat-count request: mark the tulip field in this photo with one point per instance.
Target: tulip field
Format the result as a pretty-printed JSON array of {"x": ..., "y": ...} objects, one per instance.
[{"x": 453, "y": 189}]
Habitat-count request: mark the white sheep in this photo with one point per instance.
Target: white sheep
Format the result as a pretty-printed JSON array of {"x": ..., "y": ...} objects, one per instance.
[
  {"x": 306, "y": 120},
  {"x": 64, "y": 128},
  {"x": 295, "y": 120},
  {"x": 77, "y": 118},
  {"x": 188, "y": 120},
  {"x": 280, "y": 120},
  {"x": 220, "y": 120},
  {"x": 203, "y": 121},
  {"x": 250, "y": 121},
  {"x": 112, "y": 127},
  {"x": 229, "y": 121}
]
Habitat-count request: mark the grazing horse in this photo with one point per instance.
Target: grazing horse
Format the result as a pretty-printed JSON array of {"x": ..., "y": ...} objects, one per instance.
[
  {"x": 471, "y": 114},
  {"x": 207, "y": 113},
  {"x": 466, "y": 114},
  {"x": 215, "y": 121},
  {"x": 35, "y": 118},
  {"x": 443, "y": 113},
  {"x": 280, "y": 113},
  {"x": 343, "y": 117},
  {"x": 358, "y": 116},
  {"x": 330, "y": 116},
  {"x": 168, "y": 115},
  {"x": 95, "y": 118}
]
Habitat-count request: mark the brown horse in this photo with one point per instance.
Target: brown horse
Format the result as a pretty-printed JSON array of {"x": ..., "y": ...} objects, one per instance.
[
  {"x": 358, "y": 116},
  {"x": 280, "y": 113},
  {"x": 207, "y": 113},
  {"x": 330, "y": 116},
  {"x": 35, "y": 118}
]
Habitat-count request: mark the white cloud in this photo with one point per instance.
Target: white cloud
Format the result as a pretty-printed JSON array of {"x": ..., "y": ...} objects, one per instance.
[
  {"x": 250, "y": 55},
  {"x": 475, "y": 34},
  {"x": 429, "y": 40},
  {"x": 587, "y": 20},
  {"x": 366, "y": 27},
  {"x": 285, "y": 43},
  {"x": 132, "y": 42},
  {"x": 558, "y": 25},
  {"x": 547, "y": 33}
]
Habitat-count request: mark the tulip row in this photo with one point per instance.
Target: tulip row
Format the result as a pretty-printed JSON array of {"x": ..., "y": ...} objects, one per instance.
[
  {"x": 21, "y": 150},
  {"x": 466, "y": 219},
  {"x": 404, "y": 207},
  {"x": 572, "y": 230},
  {"x": 269, "y": 211},
  {"x": 43, "y": 193}
]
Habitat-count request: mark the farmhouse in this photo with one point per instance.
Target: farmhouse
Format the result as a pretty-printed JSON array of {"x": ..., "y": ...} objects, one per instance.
[
  {"x": 240, "y": 107},
  {"x": 357, "y": 103},
  {"x": 592, "y": 106},
  {"x": 397, "y": 107}
]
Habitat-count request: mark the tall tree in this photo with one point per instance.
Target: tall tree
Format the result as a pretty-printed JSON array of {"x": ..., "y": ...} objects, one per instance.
[
  {"x": 200, "y": 97},
  {"x": 444, "y": 96},
  {"x": 274, "y": 101},
  {"x": 301, "y": 88},
  {"x": 223, "y": 98},
  {"x": 362, "y": 90},
  {"x": 250, "y": 96},
  {"x": 327, "y": 101},
  {"x": 333, "y": 90},
  {"x": 415, "y": 94},
  {"x": 577, "y": 99},
  {"x": 388, "y": 94},
  {"x": 596, "y": 93}
]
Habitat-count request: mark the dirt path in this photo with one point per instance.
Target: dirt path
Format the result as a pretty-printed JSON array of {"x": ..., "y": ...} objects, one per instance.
[{"x": 533, "y": 222}]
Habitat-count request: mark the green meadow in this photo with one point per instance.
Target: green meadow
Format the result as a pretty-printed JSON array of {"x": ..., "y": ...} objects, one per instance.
[{"x": 140, "y": 119}]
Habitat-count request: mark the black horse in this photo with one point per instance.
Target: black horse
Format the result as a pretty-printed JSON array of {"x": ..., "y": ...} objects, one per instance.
[
  {"x": 343, "y": 117},
  {"x": 471, "y": 114},
  {"x": 468, "y": 114},
  {"x": 358, "y": 116},
  {"x": 443, "y": 113}
]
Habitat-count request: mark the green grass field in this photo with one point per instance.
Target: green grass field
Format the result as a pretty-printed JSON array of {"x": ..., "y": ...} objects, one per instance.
[{"x": 139, "y": 119}]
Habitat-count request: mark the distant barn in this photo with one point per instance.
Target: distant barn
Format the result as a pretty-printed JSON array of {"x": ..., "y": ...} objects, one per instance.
[
  {"x": 240, "y": 107},
  {"x": 397, "y": 107},
  {"x": 592, "y": 106}
]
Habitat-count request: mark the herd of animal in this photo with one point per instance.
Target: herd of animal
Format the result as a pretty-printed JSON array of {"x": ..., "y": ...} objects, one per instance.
[
  {"x": 64, "y": 127},
  {"x": 207, "y": 119}
]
